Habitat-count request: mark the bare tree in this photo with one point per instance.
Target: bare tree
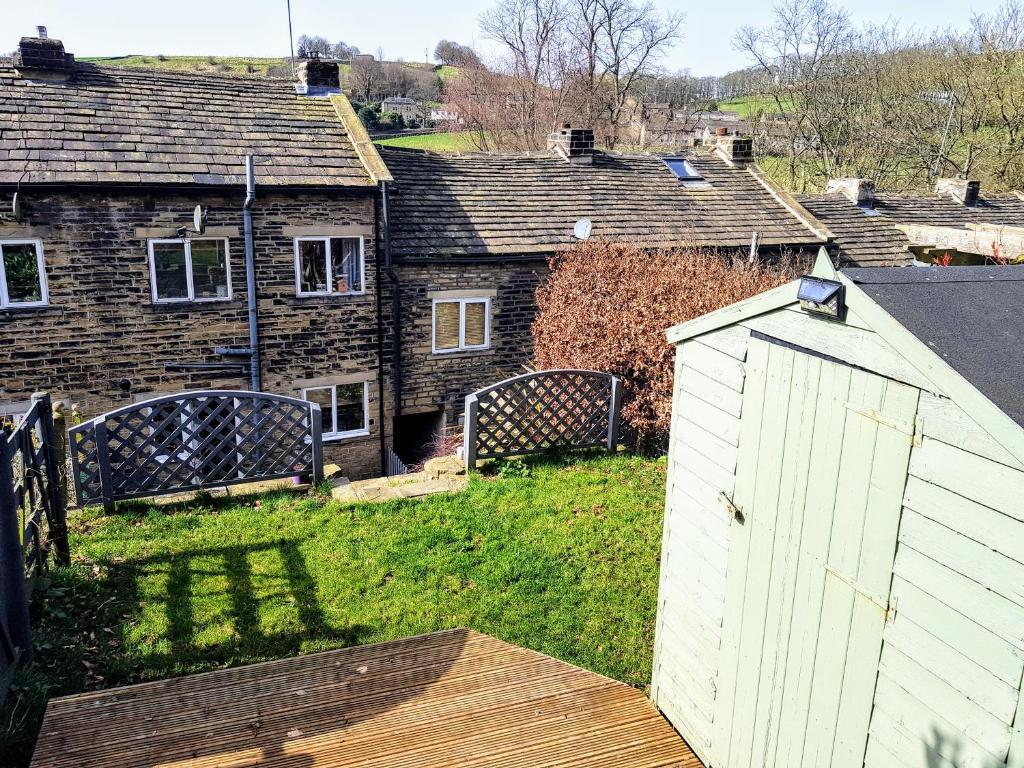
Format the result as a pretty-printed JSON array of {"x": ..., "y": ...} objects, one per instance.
[{"x": 314, "y": 45}]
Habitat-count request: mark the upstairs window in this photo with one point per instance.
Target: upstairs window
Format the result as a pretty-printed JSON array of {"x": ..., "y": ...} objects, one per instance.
[
  {"x": 22, "y": 274},
  {"x": 328, "y": 265},
  {"x": 461, "y": 325},
  {"x": 193, "y": 269},
  {"x": 344, "y": 409}
]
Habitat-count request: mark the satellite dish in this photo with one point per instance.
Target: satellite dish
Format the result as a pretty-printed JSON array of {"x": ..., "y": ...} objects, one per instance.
[
  {"x": 582, "y": 229},
  {"x": 16, "y": 207},
  {"x": 199, "y": 219}
]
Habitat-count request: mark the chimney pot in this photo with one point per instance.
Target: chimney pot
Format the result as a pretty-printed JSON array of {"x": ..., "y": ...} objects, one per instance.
[
  {"x": 962, "y": 190},
  {"x": 41, "y": 32},
  {"x": 858, "y": 191}
]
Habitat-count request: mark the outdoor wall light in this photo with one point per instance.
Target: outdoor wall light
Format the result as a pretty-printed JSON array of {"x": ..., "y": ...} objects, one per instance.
[{"x": 822, "y": 297}]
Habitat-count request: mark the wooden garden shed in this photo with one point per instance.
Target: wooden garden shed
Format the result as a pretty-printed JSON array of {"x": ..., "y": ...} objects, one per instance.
[{"x": 842, "y": 574}]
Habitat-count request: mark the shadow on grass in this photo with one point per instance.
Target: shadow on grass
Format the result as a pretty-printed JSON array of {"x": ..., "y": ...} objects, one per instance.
[{"x": 80, "y": 614}]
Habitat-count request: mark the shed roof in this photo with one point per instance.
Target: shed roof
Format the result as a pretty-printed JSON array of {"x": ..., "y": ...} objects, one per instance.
[
  {"x": 119, "y": 125},
  {"x": 490, "y": 204},
  {"x": 970, "y": 316},
  {"x": 943, "y": 210}
]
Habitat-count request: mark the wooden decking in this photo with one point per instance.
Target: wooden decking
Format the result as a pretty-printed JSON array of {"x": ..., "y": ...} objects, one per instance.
[{"x": 455, "y": 698}]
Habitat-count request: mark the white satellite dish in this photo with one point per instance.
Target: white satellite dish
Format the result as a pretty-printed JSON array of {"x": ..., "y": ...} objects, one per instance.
[
  {"x": 199, "y": 219},
  {"x": 16, "y": 207},
  {"x": 582, "y": 229}
]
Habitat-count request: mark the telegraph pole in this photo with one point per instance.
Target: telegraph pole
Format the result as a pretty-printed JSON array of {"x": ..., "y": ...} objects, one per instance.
[{"x": 291, "y": 37}]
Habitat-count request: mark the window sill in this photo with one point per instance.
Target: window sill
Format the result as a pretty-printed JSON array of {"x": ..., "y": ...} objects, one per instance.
[
  {"x": 456, "y": 353},
  {"x": 345, "y": 436},
  {"x": 187, "y": 302},
  {"x": 31, "y": 309},
  {"x": 218, "y": 305},
  {"x": 329, "y": 295}
]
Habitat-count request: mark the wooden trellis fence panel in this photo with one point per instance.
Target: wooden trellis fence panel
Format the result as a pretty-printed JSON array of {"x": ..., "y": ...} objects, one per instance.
[
  {"x": 195, "y": 440},
  {"x": 33, "y": 504},
  {"x": 539, "y": 411}
]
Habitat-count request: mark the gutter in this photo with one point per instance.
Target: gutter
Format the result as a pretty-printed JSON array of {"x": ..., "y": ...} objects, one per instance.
[{"x": 250, "y": 275}]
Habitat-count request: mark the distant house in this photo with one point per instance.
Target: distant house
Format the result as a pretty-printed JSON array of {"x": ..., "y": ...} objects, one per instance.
[
  {"x": 403, "y": 105},
  {"x": 954, "y": 221},
  {"x": 445, "y": 114}
]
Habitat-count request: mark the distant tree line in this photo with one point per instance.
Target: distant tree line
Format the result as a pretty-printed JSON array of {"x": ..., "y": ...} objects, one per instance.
[
  {"x": 315, "y": 45},
  {"x": 898, "y": 108},
  {"x": 562, "y": 61}
]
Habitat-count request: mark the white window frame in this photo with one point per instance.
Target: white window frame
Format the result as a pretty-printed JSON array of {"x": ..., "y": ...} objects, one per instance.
[
  {"x": 5, "y": 302},
  {"x": 462, "y": 302},
  {"x": 190, "y": 299},
  {"x": 326, "y": 239},
  {"x": 334, "y": 434}
]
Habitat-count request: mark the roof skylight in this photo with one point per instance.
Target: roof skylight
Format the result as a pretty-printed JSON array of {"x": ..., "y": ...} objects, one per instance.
[{"x": 682, "y": 168}]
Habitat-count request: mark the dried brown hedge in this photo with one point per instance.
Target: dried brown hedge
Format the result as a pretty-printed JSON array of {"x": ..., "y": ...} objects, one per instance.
[{"x": 606, "y": 307}]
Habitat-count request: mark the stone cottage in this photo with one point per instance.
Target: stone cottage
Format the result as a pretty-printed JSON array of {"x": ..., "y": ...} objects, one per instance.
[{"x": 122, "y": 235}]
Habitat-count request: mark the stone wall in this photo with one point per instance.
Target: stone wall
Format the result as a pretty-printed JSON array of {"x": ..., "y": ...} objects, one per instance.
[
  {"x": 103, "y": 343},
  {"x": 442, "y": 381}
]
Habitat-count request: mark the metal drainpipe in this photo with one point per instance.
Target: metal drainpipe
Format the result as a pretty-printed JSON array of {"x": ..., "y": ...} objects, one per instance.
[
  {"x": 396, "y": 304},
  {"x": 377, "y": 254},
  {"x": 250, "y": 275}
]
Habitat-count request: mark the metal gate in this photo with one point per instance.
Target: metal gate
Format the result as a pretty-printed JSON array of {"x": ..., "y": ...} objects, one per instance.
[
  {"x": 562, "y": 408},
  {"x": 195, "y": 440}
]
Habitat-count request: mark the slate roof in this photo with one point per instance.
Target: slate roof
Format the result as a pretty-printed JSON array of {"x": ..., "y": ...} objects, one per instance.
[
  {"x": 970, "y": 316},
  {"x": 114, "y": 125},
  {"x": 944, "y": 211},
  {"x": 493, "y": 204},
  {"x": 864, "y": 240}
]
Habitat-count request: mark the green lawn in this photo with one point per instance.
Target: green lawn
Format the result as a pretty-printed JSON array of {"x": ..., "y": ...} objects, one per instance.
[
  {"x": 438, "y": 142},
  {"x": 751, "y": 106},
  {"x": 564, "y": 561}
]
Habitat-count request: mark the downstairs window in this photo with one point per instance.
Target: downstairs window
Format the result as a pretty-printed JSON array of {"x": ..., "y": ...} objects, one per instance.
[{"x": 344, "y": 409}]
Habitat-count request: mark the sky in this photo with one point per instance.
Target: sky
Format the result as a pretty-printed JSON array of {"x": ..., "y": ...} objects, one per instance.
[{"x": 405, "y": 29}]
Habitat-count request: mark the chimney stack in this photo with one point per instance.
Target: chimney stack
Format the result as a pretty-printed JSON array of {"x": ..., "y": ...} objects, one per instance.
[
  {"x": 42, "y": 58},
  {"x": 963, "y": 191},
  {"x": 574, "y": 145},
  {"x": 737, "y": 151},
  {"x": 318, "y": 77},
  {"x": 858, "y": 191}
]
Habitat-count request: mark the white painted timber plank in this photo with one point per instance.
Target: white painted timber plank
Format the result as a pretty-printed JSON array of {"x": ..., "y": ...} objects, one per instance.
[
  {"x": 696, "y": 384},
  {"x": 803, "y": 400},
  {"x": 754, "y": 394},
  {"x": 830, "y": 421},
  {"x": 992, "y": 611},
  {"x": 997, "y": 531},
  {"x": 719, "y": 451},
  {"x": 1015, "y": 759},
  {"x": 976, "y": 561},
  {"x": 981, "y": 645},
  {"x": 904, "y": 748},
  {"x": 886, "y": 490},
  {"x": 972, "y": 722},
  {"x": 953, "y": 667},
  {"x": 855, "y": 346},
  {"x": 859, "y": 678},
  {"x": 944, "y": 420},
  {"x": 696, "y": 462},
  {"x": 709, "y": 417},
  {"x": 933, "y": 731},
  {"x": 716, "y": 365},
  {"x": 974, "y": 477},
  {"x": 732, "y": 340},
  {"x": 762, "y": 519}
]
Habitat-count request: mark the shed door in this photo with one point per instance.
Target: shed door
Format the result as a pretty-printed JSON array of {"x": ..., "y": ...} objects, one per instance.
[{"x": 824, "y": 450}]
